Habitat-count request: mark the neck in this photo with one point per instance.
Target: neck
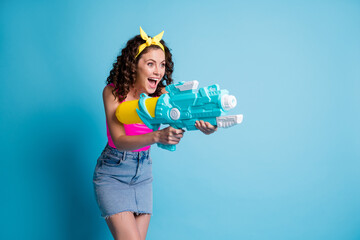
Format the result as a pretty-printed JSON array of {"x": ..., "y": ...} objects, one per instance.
[{"x": 134, "y": 94}]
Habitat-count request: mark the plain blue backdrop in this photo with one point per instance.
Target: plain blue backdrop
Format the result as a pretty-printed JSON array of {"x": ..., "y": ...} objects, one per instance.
[{"x": 291, "y": 170}]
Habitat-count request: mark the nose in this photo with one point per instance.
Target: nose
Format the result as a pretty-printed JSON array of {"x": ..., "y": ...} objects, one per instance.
[{"x": 156, "y": 70}]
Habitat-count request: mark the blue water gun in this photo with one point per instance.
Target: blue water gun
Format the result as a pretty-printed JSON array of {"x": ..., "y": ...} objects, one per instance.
[{"x": 181, "y": 107}]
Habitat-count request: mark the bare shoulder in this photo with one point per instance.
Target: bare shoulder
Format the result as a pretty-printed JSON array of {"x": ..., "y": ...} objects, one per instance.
[
  {"x": 108, "y": 91},
  {"x": 108, "y": 95}
]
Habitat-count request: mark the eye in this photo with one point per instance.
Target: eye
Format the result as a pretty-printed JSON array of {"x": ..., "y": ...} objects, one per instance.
[
  {"x": 162, "y": 65},
  {"x": 150, "y": 64}
]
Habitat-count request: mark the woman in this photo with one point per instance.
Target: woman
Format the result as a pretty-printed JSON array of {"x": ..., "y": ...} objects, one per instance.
[{"x": 123, "y": 176}]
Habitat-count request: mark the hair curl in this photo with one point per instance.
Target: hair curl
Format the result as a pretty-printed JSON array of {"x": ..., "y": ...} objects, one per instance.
[{"x": 124, "y": 69}]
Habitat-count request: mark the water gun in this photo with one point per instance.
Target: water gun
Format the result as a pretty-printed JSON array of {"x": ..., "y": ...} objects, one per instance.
[{"x": 181, "y": 107}]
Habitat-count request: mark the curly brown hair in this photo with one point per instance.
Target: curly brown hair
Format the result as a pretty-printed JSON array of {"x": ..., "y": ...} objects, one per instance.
[{"x": 124, "y": 69}]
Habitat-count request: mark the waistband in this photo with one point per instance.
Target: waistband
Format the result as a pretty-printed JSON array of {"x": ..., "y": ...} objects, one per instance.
[{"x": 118, "y": 153}]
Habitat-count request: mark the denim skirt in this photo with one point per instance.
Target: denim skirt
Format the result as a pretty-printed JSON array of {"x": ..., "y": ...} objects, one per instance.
[{"x": 123, "y": 182}]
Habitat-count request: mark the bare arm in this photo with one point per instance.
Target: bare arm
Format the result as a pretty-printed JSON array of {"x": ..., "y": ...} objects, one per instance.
[{"x": 122, "y": 142}]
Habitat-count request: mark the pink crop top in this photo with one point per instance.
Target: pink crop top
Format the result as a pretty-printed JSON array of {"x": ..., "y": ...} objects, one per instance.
[{"x": 130, "y": 130}]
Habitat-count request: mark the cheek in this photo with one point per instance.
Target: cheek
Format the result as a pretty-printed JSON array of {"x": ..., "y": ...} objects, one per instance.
[
  {"x": 143, "y": 72},
  {"x": 147, "y": 71}
]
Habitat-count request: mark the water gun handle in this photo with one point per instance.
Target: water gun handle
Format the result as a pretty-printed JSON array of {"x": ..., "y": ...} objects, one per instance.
[{"x": 167, "y": 147}]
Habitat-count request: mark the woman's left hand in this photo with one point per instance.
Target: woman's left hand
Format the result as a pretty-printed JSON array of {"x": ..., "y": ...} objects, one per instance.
[{"x": 205, "y": 127}]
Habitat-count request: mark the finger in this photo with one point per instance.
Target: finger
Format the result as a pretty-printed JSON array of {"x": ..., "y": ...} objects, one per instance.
[
  {"x": 176, "y": 131},
  {"x": 171, "y": 143},
  {"x": 180, "y": 135},
  {"x": 210, "y": 127},
  {"x": 203, "y": 129},
  {"x": 198, "y": 125},
  {"x": 177, "y": 134},
  {"x": 203, "y": 124},
  {"x": 171, "y": 140},
  {"x": 176, "y": 137},
  {"x": 179, "y": 131},
  {"x": 174, "y": 141},
  {"x": 171, "y": 129}
]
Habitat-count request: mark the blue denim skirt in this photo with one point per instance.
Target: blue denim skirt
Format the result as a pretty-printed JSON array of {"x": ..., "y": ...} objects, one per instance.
[{"x": 123, "y": 182}]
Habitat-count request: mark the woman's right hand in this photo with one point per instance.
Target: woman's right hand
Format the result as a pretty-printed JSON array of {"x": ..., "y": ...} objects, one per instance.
[{"x": 170, "y": 135}]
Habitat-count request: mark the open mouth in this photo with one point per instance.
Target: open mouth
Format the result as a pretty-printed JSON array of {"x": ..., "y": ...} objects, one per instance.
[{"x": 152, "y": 82}]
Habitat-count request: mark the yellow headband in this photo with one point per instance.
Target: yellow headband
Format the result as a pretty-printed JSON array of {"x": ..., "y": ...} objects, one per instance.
[{"x": 150, "y": 41}]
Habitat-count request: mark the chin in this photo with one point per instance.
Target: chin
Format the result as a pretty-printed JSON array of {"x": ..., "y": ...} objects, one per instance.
[{"x": 151, "y": 91}]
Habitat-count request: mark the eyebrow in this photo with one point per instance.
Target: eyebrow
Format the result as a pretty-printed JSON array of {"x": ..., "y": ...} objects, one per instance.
[{"x": 154, "y": 60}]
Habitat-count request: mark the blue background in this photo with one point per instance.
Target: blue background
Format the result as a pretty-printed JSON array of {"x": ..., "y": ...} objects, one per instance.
[{"x": 291, "y": 170}]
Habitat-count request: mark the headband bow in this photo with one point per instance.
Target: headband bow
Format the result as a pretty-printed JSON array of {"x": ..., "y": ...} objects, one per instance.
[{"x": 150, "y": 41}]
